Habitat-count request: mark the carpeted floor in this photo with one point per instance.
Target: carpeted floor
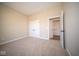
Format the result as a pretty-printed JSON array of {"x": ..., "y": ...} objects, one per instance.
[{"x": 33, "y": 47}]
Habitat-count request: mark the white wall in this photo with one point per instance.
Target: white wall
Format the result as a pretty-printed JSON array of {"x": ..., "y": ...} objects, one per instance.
[
  {"x": 0, "y": 21},
  {"x": 43, "y": 17},
  {"x": 71, "y": 17},
  {"x": 13, "y": 24}
]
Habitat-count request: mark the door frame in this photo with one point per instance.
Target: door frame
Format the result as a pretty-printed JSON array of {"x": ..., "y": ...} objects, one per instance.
[{"x": 61, "y": 18}]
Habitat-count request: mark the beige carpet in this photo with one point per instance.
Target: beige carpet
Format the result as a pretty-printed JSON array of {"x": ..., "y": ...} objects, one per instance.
[{"x": 33, "y": 47}]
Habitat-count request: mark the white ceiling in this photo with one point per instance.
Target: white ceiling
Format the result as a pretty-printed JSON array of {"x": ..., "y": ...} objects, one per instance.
[{"x": 29, "y": 8}]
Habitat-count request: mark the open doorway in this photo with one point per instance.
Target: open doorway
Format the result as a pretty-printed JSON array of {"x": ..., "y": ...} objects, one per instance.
[
  {"x": 54, "y": 26},
  {"x": 56, "y": 30}
]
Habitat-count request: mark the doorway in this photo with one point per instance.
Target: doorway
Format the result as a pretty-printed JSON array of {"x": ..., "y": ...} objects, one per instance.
[
  {"x": 34, "y": 28},
  {"x": 56, "y": 30}
]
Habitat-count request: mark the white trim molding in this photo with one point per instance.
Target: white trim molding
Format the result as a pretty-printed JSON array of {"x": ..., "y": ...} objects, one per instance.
[
  {"x": 39, "y": 37},
  {"x": 44, "y": 38},
  {"x": 13, "y": 40}
]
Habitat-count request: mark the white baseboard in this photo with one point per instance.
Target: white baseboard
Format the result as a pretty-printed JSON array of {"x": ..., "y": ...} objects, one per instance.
[
  {"x": 21, "y": 38},
  {"x": 40, "y": 37},
  {"x": 68, "y": 52},
  {"x": 12, "y": 40},
  {"x": 44, "y": 38}
]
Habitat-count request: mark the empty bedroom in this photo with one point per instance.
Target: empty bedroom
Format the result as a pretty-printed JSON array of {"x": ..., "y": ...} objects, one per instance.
[{"x": 34, "y": 29}]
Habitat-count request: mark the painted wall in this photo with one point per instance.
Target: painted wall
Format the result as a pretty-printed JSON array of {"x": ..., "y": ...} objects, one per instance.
[
  {"x": 13, "y": 24},
  {"x": 71, "y": 17},
  {"x": 43, "y": 16},
  {"x": 0, "y": 21}
]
